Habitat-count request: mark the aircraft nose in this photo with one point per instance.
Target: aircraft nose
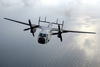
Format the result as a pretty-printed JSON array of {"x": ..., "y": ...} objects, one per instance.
[{"x": 41, "y": 40}]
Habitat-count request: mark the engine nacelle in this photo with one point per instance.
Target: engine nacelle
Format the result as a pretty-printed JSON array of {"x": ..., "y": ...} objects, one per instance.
[{"x": 34, "y": 30}]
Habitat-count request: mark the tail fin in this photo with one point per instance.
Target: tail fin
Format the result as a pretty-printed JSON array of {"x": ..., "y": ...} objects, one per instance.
[{"x": 51, "y": 22}]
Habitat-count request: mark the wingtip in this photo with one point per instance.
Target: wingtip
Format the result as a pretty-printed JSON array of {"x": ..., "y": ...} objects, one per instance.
[
  {"x": 5, "y": 18},
  {"x": 93, "y": 33}
]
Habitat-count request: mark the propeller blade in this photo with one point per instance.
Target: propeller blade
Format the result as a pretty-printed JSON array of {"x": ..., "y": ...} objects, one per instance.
[
  {"x": 58, "y": 28},
  {"x": 54, "y": 33},
  {"x": 33, "y": 34},
  {"x": 30, "y": 28},
  {"x": 27, "y": 29},
  {"x": 30, "y": 23},
  {"x": 61, "y": 38}
]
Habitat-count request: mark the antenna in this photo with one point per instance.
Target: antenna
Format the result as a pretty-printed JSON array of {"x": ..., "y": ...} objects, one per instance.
[
  {"x": 39, "y": 21},
  {"x": 57, "y": 20},
  {"x": 45, "y": 19},
  {"x": 62, "y": 25}
]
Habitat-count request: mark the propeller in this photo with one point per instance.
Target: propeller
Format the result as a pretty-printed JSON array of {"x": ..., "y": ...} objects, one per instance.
[
  {"x": 31, "y": 27},
  {"x": 59, "y": 33}
]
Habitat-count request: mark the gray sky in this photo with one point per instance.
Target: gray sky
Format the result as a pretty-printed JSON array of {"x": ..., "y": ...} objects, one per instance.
[{"x": 82, "y": 15}]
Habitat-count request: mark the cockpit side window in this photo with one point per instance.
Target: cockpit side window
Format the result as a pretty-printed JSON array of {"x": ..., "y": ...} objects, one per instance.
[{"x": 40, "y": 34}]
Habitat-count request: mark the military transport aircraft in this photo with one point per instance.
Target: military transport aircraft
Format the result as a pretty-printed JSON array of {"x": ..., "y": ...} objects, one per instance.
[{"x": 46, "y": 33}]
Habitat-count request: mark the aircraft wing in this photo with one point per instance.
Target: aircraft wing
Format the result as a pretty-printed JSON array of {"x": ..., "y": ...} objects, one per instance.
[
  {"x": 66, "y": 31},
  {"x": 28, "y": 24},
  {"x": 17, "y": 21}
]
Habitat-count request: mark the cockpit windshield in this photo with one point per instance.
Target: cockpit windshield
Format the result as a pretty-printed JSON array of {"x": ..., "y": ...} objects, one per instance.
[{"x": 42, "y": 35}]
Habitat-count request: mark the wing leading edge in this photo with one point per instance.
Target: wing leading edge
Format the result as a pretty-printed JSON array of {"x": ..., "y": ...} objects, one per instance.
[
  {"x": 66, "y": 31},
  {"x": 17, "y": 21},
  {"x": 28, "y": 24}
]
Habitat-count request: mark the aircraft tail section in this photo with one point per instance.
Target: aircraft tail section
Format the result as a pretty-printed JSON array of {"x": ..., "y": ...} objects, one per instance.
[{"x": 51, "y": 22}]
